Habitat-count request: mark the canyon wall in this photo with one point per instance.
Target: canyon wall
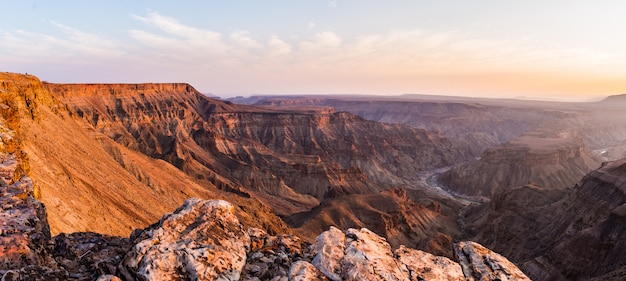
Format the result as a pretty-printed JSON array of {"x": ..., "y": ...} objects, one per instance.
[
  {"x": 548, "y": 161},
  {"x": 81, "y": 175},
  {"x": 575, "y": 233},
  {"x": 266, "y": 152}
]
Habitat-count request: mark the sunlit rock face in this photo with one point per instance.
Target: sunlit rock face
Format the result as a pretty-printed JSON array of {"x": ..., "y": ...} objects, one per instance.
[
  {"x": 201, "y": 240},
  {"x": 264, "y": 151}
]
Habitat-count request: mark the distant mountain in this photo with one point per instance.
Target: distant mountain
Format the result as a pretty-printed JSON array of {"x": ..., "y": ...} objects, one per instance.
[{"x": 615, "y": 98}]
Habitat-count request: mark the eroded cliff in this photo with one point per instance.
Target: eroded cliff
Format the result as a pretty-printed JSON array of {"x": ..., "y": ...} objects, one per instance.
[
  {"x": 266, "y": 152},
  {"x": 81, "y": 174},
  {"x": 575, "y": 233},
  {"x": 551, "y": 162}
]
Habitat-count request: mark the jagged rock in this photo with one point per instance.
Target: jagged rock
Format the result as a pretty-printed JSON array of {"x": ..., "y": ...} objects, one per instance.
[
  {"x": 368, "y": 256},
  {"x": 108, "y": 278},
  {"x": 271, "y": 256},
  {"x": 201, "y": 240},
  {"x": 24, "y": 230},
  {"x": 363, "y": 255},
  {"x": 329, "y": 250},
  {"x": 36, "y": 273},
  {"x": 480, "y": 263},
  {"x": 305, "y": 271},
  {"x": 425, "y": 266},
  {"x": 89, "y": 253}
]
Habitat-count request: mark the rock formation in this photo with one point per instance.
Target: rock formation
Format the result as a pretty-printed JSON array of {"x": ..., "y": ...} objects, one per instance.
[
  {"x": 253, "y": 152},
  {"x": 558, "y": 234},
  {"x": 551, "y": 162},
  {"x": 83, "y": 174},
  {"x": 203, "y": 240},
  {"x": 24, "y": 230},
  {"x": 480, "y": 263},
  {"x": 403, "y": 217}
]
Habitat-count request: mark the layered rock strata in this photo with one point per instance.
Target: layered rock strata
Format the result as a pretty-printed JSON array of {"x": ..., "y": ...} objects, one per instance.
[
  {"x": 551, "y": 162},
  {"x": 558, "y": 234},
  {"x": 83, "y": 174}
]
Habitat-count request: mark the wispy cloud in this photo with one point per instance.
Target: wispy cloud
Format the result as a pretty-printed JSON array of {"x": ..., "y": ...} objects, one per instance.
[
  {"x": 162, "y": 46},
  {"x": 69, "y": 44},
  {"x": 174, "y": 36}
]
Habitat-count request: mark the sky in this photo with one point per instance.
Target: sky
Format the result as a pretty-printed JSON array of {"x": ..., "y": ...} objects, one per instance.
[{"x": 553, "y": 49}]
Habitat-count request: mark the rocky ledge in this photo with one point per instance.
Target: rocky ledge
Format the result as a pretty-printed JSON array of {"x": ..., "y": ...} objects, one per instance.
[{"x": 203, "y": 240}]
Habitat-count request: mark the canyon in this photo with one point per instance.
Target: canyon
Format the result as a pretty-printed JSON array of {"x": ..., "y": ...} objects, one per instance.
[{"x": 97, "y": 181}]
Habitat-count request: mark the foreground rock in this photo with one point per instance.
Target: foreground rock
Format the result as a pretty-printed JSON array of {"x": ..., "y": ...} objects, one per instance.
[
  {"x": 201, "y": 240},
  {"x": 204, "y": 240},
  {"x": 24, "y": 229},
  {"x": 480, "y": 263}
]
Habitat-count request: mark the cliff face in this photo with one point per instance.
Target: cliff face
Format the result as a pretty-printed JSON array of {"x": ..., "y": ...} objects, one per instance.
[
  {"x": 593, "y": 239},
  {"x": 81, "y": 174},
  {"x": 474, "y": 125},
  {"x": 551, "y": 162},
  {"x": 267, "y": 152},
  {"x": 559, "y": 234}
]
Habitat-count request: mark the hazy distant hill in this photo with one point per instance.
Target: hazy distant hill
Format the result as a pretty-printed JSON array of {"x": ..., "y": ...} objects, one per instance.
[{"x": 615, "y": 99}]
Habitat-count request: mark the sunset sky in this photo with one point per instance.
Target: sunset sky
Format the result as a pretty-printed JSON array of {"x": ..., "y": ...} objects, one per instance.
[{"x": 553, "y": 49}]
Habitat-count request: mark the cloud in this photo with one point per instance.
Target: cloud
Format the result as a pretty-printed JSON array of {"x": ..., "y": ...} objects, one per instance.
[
  {"x": 278, "y": 47},
  {"x": 166, "y": 48},
  {"x": 241, "y": 38},
  {"x": 170, "y": 33},
  {"x": 69, "y": 44},
  {"x": 332, "y": 4}
]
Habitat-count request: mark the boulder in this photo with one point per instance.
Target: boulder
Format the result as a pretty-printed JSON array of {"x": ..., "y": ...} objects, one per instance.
[
  {"x": 425, "y": 266},
  {"x": 480, "y": 263},
  {"x": 368, "y": 256},
  {"x": 201, "y": 240}
]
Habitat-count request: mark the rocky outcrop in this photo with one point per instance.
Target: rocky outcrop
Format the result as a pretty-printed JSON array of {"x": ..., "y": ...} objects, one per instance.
[
  {"x": 24, "y": 230},
  {"x": 551, "y": 162},
  {"x": 480, "y": 263},
  {"x": 361, "y": 254},
  {"x": 203, "y": 240},
  {"x": 404, "y": 217}
]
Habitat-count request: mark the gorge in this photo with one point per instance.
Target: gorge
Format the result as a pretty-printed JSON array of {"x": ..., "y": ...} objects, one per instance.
[{"x": 115, "y": 165}]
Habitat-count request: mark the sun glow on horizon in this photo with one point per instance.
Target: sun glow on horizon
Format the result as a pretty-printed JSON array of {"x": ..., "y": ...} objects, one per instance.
[{"x": 562, "y": 49}]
